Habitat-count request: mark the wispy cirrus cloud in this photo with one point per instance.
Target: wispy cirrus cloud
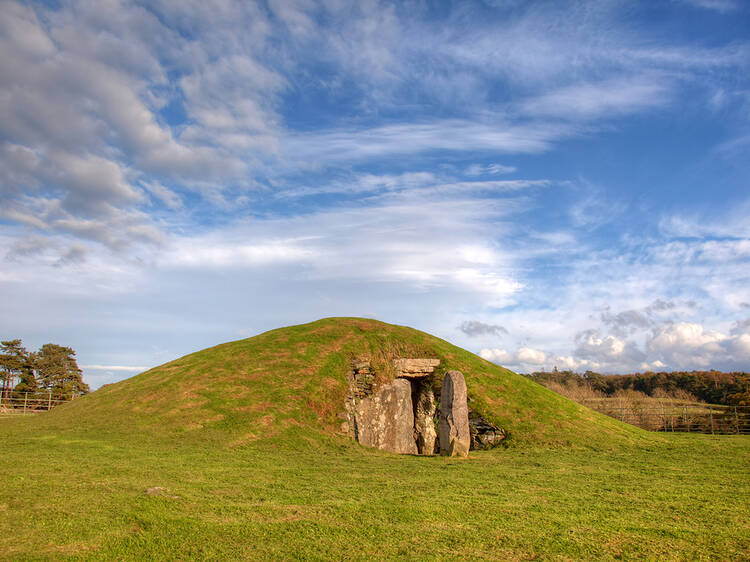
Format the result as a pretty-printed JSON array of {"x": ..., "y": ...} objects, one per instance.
[
  {"x": 722, "y": 6},
  {"x": 621, "y": 96},
  {"x": 415, "y": 138},
  {"x": 416, "y": 184}
]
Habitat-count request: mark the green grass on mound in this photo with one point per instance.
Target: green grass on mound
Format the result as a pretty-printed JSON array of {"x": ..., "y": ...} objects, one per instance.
[{"x": 238, "y": 392}]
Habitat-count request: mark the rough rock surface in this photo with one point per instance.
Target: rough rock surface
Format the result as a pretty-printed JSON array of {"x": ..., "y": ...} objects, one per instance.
[
  {"x": 386, "y": 418},
  {"x": 424, "y": 424},
  {"x": 361, "y": 379},
  {"x": 415, "y": 368},
  {"x": 400, "y": 416},
  {"x": 484, "y": 435},
  {"x": 455, "y": 437}
]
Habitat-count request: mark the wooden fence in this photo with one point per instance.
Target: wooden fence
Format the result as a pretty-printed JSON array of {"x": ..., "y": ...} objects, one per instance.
[
  {"x": 691, "y": 418},
  {"x": 25, "y": 403}
]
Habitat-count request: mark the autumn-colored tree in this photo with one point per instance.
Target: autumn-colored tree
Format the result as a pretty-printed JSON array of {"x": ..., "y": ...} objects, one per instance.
[
  {"x": 712, "y": 387},
  {"x": 57, "y": 370}
]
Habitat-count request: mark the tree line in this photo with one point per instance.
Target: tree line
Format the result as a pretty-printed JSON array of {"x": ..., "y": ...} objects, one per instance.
[
  {"x": 53, "y": 368},
  {"x": 713, "y": 387}
]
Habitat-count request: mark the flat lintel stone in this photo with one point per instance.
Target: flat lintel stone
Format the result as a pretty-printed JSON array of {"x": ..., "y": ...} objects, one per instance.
[{"x": 412, "y": 368}]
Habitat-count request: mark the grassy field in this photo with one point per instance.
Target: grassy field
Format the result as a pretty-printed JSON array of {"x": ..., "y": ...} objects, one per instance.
[
  {"x": 252, "y": 471},
  {"x": 83, "y": 495}
]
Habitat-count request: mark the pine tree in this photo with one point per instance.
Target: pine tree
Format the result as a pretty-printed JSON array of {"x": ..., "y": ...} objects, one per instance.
[
  {"x": 57, "y": 370},
  {"x": 14, "y": 362},
  {"x": 28, "y": 382}
]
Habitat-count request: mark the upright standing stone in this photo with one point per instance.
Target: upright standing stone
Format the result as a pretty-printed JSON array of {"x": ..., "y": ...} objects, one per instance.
[
  {"x": 386, "y": 419},
  {"x": 455, "y": 437}
]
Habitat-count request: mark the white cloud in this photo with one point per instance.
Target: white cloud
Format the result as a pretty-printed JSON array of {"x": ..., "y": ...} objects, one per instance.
[
  {"x": 207, "y": 253},
  {"x": 125, "y": 368},
  {"x": 499, "y": 356},
  {"x": 740, "y": 346},
  {"x": 232, "y": 99},
  {"x": 82, "y": 91},
  {"x": 669, "y": 346},
  {"x": 684, "y": 344},
  {"x": 569, "y": 363},
  {"x": 21, "y": 27},
  {"x": 452, "y": 135},
  {"x": 526, "y": 359},
  {"x": 605, "y": 99},
  {"x": 489, "y": 169},
  {"x": 418, "y": 184},
  {"x": 684, "y": 336},
  {"x": 722, "y": 6},
  {"x": 726, "y": 223},
  {"x": 167, "y": 196},
  {"x": 660, "y": 304},
  {"x": 592, "y": 345},
  {"x": 523, "y": 355},
  {"x": 85, "y": 87},
  {"x": 531, "y": 356},
  {"x": 653, "y": 366}
]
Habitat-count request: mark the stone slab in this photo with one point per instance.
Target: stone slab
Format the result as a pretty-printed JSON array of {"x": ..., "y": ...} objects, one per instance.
[
  {"x": 453, "y": 425},
  {"x": 386, "y": 419},
  {"x": 411, "y": 368}
]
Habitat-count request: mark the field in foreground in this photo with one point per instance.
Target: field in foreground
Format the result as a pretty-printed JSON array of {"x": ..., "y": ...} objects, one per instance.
[{"x": 82, "y": 495}]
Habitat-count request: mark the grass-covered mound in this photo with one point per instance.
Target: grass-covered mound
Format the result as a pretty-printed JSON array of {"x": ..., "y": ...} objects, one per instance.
[
  {"x": 294, "y": 379},
  {"x": 239, "y": 442}
]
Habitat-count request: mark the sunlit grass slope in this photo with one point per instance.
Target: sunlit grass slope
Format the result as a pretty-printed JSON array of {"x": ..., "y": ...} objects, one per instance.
[{"x": 293, "y": 380}]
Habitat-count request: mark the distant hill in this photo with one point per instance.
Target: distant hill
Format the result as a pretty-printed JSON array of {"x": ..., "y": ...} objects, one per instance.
[{"x": 294, "y": 379}]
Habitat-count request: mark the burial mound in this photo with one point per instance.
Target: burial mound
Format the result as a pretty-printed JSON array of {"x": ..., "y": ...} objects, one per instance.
[{"x": 292, "y": 385}]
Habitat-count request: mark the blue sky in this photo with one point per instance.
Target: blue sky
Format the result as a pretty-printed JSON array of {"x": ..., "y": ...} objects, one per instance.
[{"x": 544, "y": 183}]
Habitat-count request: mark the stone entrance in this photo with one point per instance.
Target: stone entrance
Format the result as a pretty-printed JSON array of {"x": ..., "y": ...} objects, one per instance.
[{"x": 400, "y": 416}]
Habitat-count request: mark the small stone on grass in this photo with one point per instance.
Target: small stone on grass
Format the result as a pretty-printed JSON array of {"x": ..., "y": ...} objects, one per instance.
[{"x": 160, "y": 491}]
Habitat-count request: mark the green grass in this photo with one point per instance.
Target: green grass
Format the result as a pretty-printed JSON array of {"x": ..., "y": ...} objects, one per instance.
[
  {"x": 260, "y": 473},
  {"x": 83, "y": 495}
]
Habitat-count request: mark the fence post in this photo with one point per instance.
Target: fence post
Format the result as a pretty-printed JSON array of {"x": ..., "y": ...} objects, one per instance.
[
  {"x": 711, "y": 415},
  {"x": 687, "y": 419},
  {"x": 622, "y": 416},
  {"x": 25, "y": 400},
  {"x": 736, "y": 420},
  {"x": 49, "y": 400}
]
